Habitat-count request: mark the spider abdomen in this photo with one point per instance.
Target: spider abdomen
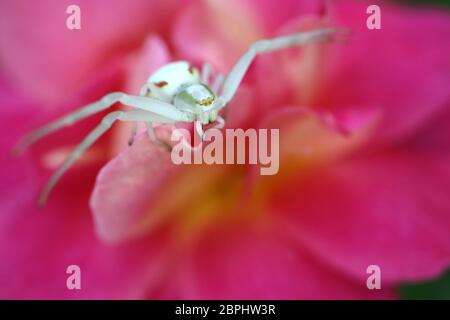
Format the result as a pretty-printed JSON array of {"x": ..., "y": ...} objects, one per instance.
[{"x": 172, "y": 77}]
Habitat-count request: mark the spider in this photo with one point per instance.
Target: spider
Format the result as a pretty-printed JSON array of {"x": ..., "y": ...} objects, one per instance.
[{"x": 176, "y": 92}]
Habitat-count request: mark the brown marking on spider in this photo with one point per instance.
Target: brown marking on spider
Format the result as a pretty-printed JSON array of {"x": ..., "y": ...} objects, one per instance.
[{"x": 161, "y": 84}]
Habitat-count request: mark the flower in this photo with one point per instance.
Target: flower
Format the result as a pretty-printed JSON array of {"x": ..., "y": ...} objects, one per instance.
[{"x": 363, "y": 176}]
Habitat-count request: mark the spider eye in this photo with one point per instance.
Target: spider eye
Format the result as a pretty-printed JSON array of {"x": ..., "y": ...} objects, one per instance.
[
  {"x": 161, "y": 84},
  {"x": 202, "y": 95},
  {"x": 206, "y": 102},
  {"x": 195, "y": 96}
]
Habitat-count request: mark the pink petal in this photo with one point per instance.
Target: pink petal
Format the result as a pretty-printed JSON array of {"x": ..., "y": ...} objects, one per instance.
[
  {"x": 48, "y": 61},
  {"x": 241, "y": 111},
  {"x": 405, "y": 73},
  {"x": 308, "y": 140},
  {"x": 313, "y": 136},
  {"x": 294, "y": 75},
  {"x": 125, "y": 189},
  {"x": 152, "y": 55},
  {"x": 433, "y": 138},
  {"x": 16, "y": 172},
  {"x": 200, "y": 36},
  {"x": 275, "y": 14},
  {"x": 388, "y": 209},
  {"x": 244, "y": 261}
]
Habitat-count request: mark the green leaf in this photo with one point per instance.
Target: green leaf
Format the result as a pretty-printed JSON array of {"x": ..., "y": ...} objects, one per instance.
[{"x": 438, "y": 289}]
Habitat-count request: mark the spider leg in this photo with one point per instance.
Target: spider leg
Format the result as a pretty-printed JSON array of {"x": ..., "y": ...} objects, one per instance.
[
  {"x": 144, "y": 103},
  {"x": 89, "y": 140},
  {"x": 156, "y": 92},
  {"x": 152, "y": 136},
  {"x": 100, "y": 105},
  {"x": 217, "y": 84},
  {"x": 237, "y": 73},
  {"x": 206, "y": 73},
  {"x": 199, "y": 129},
  {"x": 151, "y": 132},
  {"x": 220, "y": 123},
  {"x": 133, "y": 133},
  {"x": 216, "y": 81},
  {"x": 144, "y": 90}
]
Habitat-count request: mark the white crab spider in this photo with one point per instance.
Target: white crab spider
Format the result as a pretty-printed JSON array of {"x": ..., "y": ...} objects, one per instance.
[{"x": 174, "y": 93}]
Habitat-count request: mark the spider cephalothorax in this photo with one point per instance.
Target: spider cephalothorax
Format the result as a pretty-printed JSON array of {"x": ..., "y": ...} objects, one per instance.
[
  {"x": 177, "y": 92},
  {"x": 184, "y": 89}
]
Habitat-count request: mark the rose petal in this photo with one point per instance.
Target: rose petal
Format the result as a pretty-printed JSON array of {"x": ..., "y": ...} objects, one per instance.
[
  {"x": 244, "y": 261},
  {"x": 200, "y": 37},
  {"x": 47, "y": 60},
  {"x": 285, "y": 11},
  {"x": 293, "y": 75},
  {"x": 389, "y": 209},
  {"x": 39, "y": 245},
  {"x": 126, "y": 188},
  {"x": 141, "y": 190},
  {"x": 308, "y": 139},
  {"x": 313, "y": 137},
  {"x": 406, "y": 73}
]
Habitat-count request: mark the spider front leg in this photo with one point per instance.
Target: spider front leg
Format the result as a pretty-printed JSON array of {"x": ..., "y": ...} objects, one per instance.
[
  {"x": 237, "y": 73},
  {"x": 105, "y": 124},
  {"x": 84, "y": 112},
  {"x": 150, "y": 133},
  {"x": 156, "y": 106},
  {"x": 210, "y": 78},
  {"x": 217, "y": 84},
  {"x": 199, "y": 129},
  {"x": 205, "y": 74},
  {"x": 94, "y": 135}
]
